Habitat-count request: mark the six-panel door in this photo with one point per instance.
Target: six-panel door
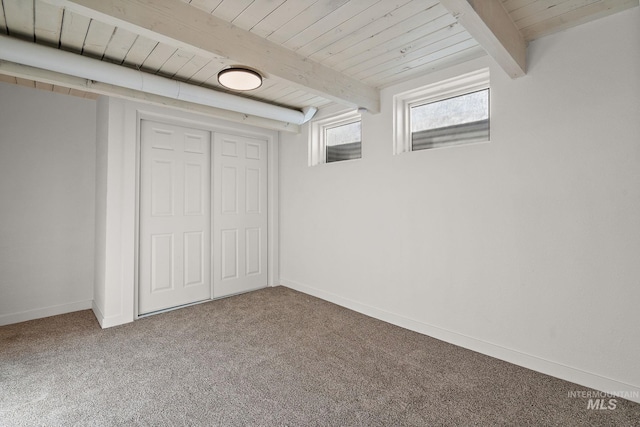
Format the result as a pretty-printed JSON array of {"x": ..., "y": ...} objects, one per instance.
[
  {"x": 240, "y": 214},
  {"x": 175, "y": 218}
]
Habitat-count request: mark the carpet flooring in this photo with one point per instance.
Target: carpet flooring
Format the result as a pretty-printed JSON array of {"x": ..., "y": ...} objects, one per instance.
[{"x": 273, "y": 357}]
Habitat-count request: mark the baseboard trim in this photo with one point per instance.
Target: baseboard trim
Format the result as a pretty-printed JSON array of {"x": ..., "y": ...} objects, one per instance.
[
  {"x": 554, "y": 369},
  {"x": 98, "y": 313},
  {"x": 108, "y": 322},
  {"x": 39, "y": 313}
]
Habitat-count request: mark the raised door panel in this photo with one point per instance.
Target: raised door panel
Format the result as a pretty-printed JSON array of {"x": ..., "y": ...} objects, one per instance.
[
  {"x": 194, "y": 258},
  {"x": 162, "y": 181},
  {"x": 162, "y": 262},
  {"x": 229, "y": 190},
  {"x": 229, "y": 254},
  {"x": 252, "y": 190},
  {"x": 194, "y": 184},
  {"x": 253, "y": 264}
]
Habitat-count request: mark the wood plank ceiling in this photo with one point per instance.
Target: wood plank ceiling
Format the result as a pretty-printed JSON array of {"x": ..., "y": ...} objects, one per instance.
[{"x": 376, "y": 42}]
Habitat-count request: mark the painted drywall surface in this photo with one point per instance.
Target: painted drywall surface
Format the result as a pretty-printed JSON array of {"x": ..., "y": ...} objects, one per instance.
[
  {"x": 47, "y": 189},
  {"x": 115, "y": 214},
  {"x": 102, "y": 140},
  {"x": 528, "y": 243}
]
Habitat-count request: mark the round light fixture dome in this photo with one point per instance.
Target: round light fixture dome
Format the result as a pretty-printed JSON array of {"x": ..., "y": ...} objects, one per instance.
[{"x": 239, "y": 79}]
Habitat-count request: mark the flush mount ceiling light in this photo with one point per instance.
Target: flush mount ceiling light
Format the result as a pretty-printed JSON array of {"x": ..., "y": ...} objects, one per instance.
[{"x": 238, "y": 78}]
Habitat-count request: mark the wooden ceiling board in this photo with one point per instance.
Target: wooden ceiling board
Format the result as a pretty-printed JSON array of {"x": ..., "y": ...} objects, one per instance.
[
  {"x": 318, "y": 101},
  {"x": 284, "y": 94},
  {"x": 25, "y": 82},
  {"x": 269, "y": 91},
  {"x": 61, "y": 89},
  {"x": 280, "y": 16},
  {"x": 395, "y": 37},
  {"x": 44, "y": 86},
  {"x": 200, "y": 69},
  {"x": 97, "y": 38},
  {"x": 328, "y": 22},
  {"x": 175, "y": 62},
  {"x": 447, "y": 39},
  {"x": 230, "y": 9},
  {"x": 270, "y": 88},
  {"x": 205, "y": 73},
  {"x": 191, "y": 67},
  {"x": 398, "y": 46},
  {"x": 333, "y": 44},
  {"x": 158, "y": 56},
  {"x": 302, "y": 98},
  {"x": 3, "y": 22},
  {"x": 8, "y": 79},
  {"x": 435, "y": 64},
  {"x": 304, "y": 19},
  {"x": 299, "y": 98},
  {"x": 119, "y": 45},
  {"x": 139, "y": 51},
  {"x": 255, "y": 12},
  {"x": 19, "y": 18},
  {"x": 445, "y": 49},
  {"x": 76, "y": 92},
  {"x": 74, "y": 31},
  {"x": 205, "y": 5},
  {"x": 281, "y": 93},
  {"x": 48, "y": 23}
]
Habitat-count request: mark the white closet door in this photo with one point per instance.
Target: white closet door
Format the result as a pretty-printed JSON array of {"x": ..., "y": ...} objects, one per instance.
[
  {"x": 240, "y": 214},
  {"x": 175, "y": 218}
]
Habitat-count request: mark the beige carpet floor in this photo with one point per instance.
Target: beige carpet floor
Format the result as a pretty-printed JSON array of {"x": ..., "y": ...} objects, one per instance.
[{"x": 273, "y": 357}]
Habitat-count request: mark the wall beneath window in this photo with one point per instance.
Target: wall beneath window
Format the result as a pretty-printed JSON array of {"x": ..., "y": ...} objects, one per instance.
[
  {"x": 525, "y": 248},
  {"x": 47, "y": 196}
]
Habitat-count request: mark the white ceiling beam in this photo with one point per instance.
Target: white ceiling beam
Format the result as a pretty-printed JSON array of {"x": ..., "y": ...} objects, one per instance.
[
  {"x": 86, "y": 85},
  {"x": 489, "y": 23},
  {"x": 179, "y": 24}
]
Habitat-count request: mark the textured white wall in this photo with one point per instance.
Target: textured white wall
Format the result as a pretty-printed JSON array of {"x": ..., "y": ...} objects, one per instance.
[
  {"x": 102, "y": 144},
  {"x": 47, "y": 169},
  {"x": 525, "y": 248}
]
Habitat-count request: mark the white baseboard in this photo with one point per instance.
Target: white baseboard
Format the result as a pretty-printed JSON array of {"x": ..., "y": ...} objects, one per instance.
[
  {"x": 39, "y": 313},
  {"x": 98, "y": 313},
  {"x": 554, "y": 369},
  {"x": 108, "y": 322}
]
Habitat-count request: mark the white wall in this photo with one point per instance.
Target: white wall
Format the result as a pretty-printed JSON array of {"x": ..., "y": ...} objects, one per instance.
[
  {"x": 47, "y": 167},
  {"x": 525, "y": 248},
  {"x": 115, "y": 213}
]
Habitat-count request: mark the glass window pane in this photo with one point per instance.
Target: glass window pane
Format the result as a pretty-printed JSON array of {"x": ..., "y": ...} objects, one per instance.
[
  {"x": 467, "y": 108},
  {"x": 343, "y": 142},
  {"x": 344, "y": 134},
  {"x": 458, "y": 120}
]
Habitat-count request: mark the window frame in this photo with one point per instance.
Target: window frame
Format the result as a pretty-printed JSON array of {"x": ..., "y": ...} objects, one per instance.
[
  {"x": 439, "y": 91},
  {"x": 317, "y": 136}
]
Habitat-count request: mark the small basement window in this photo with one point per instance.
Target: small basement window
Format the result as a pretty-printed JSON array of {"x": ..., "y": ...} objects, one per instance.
[
  {"x": 335, "y": 138},
  {"x": 459, "y": 120},
  {"x": 343, "y": 142},
  {"x": 452, "y": 112}
]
